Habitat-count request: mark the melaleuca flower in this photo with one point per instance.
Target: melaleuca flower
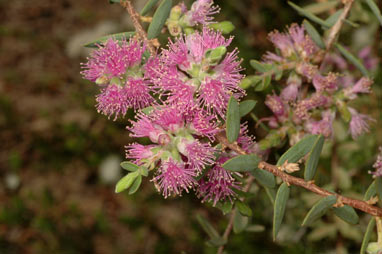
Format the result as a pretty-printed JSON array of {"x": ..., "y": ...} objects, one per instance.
[
  {"x": 295, "y": 42},
  {"x": 200, "y": 13},
  {"x": 325, "y": 83},
  {"x": 290, "y": 92},
  {"x": 246, "y": 141},
  {"x": 112, "y": 60},
  {"x": 177, "y": 146},
  {"x": 275, "y": 104},
  {"x": 315, "y": 101},
  {"x": 115, "y": 66},
  {"x": 370, "y": 61},
  {"x": 362, "y": 86},
  {"x": 378, "y": 165},
  {"x": 218, "y": 184},
  {"x": 324, "y": 126},
  {"x": 358, "y": 123},
  {"x": 173, "y": 177},
  {"x": 197, "y": 71}
]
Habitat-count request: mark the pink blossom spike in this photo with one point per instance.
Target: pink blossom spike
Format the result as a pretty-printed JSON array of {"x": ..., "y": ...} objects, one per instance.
[
  {"x": 138, "y": 93},
  {"x": 112, "y": 59},
  {"x": 324, "y": 126},
  {"x": 204, "y": 125},
  {"x": 174, "y": 178},
  {"x": 199, "y": 155},
  {"x": 219, "y": 184},
  {"x": 359, "y": 123},
  {"x": 113, "y": 100},
  {"x": 138, "y": 152},
  {"x": 214, "y": 97},
  {"x": 201, "y": 12}
]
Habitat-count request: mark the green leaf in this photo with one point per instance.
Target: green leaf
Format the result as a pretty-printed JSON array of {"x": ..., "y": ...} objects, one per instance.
[
  {"x": 374, "y": 8},
  {"x": 255, "y": 228},
  {"x": 233, "y": 120},
  {"x": 126, "y": 182},
  {"x": 225, "y": 207},
  {"x": 314, "y": 34},
  {"x": 261, "y": 67},
  {"x": 246, "y": 106},
  {"x": 240, "y": 222},
  {"x": 217, "y": 242},
  {"x": 242, "y": 163},
  {"x": 265, "y": 82},
  {"x": 148, "y": 6},
  {"x": 159, "y": 19},
  {"x": 282, "y": 197},
  {"x": 114, "y": 1},
  {"x": 135, "y": 185},
  {"x": 319, "y": 209},
  {"x": 129, "y": 166},
  {"x": 354, "y": 60},
  {"x": 271, "y": 193},
  {"x": 102, "y": 40},
  {"x": 371, "y": 191},
  {"x": 309, "y": 15},
  {"x": 299, "y": 150},
  {"x": 347, "y": 213},
  {"x": 320, "y": 7},
  {"x": 334, "y": 17},
  {"x": 243, "y": 209},
  {"x": 251, "y": 80},
  {"x": 367, "y": 236},
  {"x": 265, "y": 178},
  {"x": 378, "y": 186},
  {"x": 225, "y": 27},
  {"x": 312, "y": 163},
  {"x": 207, "y": 227}
]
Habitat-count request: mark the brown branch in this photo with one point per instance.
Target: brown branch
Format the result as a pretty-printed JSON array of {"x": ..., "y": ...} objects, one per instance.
[
  {"x": 135, "y": 17},
  {"x": 292, "y": 180}
]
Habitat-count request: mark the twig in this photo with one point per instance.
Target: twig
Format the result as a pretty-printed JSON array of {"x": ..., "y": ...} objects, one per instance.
[
  {"x": 292, "y": 180},
  {"x": 229, "y": 227},
  {"x": 141, "y": 33}
]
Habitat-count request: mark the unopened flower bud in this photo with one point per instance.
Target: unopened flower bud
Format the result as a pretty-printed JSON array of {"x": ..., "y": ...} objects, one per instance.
[
  {"x": 103, "y": 80},
  {"x": 225, "y": 27},
  {"x": 290, "y": 167},
  {"x": 175, "y": 13},
  {"x": 215, "y": 55}
]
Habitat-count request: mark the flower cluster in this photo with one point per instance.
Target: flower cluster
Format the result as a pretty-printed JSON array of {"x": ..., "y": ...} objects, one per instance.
[
  {"x": 311, "y": 97},
  {"x": 180, "y": 97}
]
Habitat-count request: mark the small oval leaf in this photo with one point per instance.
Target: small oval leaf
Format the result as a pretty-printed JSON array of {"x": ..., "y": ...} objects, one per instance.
[
  {"x": 129, "y": 166},
  {"x": 126, "y": 182},
  {"x": 367, "y": 236},
  {"x": 314, "y": 34},
  {"x": 148, "y": 6},
  {"x": 136, "y": 184},
  {"x": 102, "y": 40},
  {"x": 299, "y": 150},
  {"x": 312, "y": 163},
  {"x": 282, "y": 197},
  {"x": 354, "y": 60},
  {"x": 240, "y": 222},
  {"x": 347, "y": 213},
  {"x": 373, "y": 6},
  {"x": 233, "y": 120},
  {"x": 243, "y": 209},
  {"x": 207, "y": 227},
  {"x": 319, "y": 209},
  {"x": 246, "y": 106},
  {"x": 265, "y": 178},
  {"x": 242, "y": 163},
  {"x": 309, "y": 15},
  {"x": 159, "y": 19},
  {"x": 371, "y": 191}
]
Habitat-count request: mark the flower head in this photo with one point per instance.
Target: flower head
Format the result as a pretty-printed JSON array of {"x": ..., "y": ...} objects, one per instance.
[
  {"x": 219, "y": 184},
  {"x": 324, "y": 126},
  {"x": 359, "y": 123},
  {"x": 201, "y": 12}
]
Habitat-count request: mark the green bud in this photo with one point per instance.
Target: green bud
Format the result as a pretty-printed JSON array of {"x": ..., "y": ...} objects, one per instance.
[
  {"x": 188, "y": 30},
  {"x": 343, "y": 109},
  {"x": 225, "y": 27},
  {"x": 374, "y": 248},
  {"x": 103, "y": 80},
  {"x": 215, "y": 55},
  {"x": 116, "y": 81},
  {"x": 175, "y": 13},
  {"x": 174, "y": 28}
]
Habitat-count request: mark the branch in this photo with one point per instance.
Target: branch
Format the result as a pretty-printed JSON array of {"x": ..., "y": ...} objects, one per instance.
[
  {"x": 141, "y": 33},
  {"x": 292, "y": 180}
]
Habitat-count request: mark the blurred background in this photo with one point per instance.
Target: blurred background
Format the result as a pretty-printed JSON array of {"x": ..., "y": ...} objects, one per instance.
[{"x": 59, "y": 159}]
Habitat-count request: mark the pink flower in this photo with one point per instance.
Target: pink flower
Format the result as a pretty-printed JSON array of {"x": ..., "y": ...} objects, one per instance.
[
  {"x": 218, "y": 185},
  {"x": 112, "y": 59},
  {"x": 370, "y": 61},
  {"x": 139, "y": 152},
  {"x": 290, "y": 92},
  {"x": 324, "y": 126},
  {"x": 199, "y": 155},
  {"x": 362, "y": 86},
  {"x": 325, "y": 83},
  {"x": 275, "y": 104},
  {"x": 315, "y": 101},
  {"x": 201, "y": 12},
  {"x": 246, "y": 142},
  {"x": 174, "y": 178},
  {"x": 113, "y": 100},
  {"x": 283, "y": 42},
  {"x": 378, "y": 165},
  {"x": 190, "y": 77},
  {"x": 359, "y": 123}
]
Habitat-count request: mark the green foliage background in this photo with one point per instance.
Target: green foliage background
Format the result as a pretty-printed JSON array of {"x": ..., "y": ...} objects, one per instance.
[{"x": 53, "y": 198}]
